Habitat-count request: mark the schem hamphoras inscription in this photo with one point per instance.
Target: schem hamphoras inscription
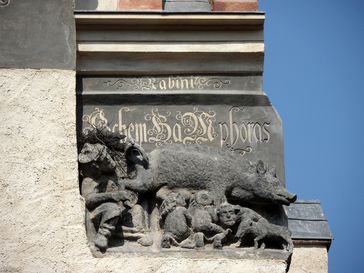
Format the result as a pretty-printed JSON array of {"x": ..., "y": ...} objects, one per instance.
[{"x": 252, "y": 131}]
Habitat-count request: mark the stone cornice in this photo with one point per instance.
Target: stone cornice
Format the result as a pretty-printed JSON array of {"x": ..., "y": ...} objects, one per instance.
[
  {"x": 169, "y": 43},
  {"x": 158, "y": 18}
]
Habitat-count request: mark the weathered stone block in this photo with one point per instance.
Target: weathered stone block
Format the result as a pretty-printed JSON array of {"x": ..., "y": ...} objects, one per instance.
[{"x": 37, "y": 34}]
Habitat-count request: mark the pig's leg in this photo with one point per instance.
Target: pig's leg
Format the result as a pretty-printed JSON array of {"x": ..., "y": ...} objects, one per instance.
[
  {"x": 257, "y": 240},
  {"x": 262, "y": 246}
]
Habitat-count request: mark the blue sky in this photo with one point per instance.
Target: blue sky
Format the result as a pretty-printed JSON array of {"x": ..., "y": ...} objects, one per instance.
[{"x": 314, "y": 75}]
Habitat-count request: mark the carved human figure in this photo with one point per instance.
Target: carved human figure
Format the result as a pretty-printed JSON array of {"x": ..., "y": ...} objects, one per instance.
[
  {"x": 228, "y": 218},
  {"x": 177, "y": 220},
  {"x": 106, "y": 199},
  {"x": 137, "y": 163},
  {"x": 203, "y": 217},
  {"x": 227, "y": 214}
]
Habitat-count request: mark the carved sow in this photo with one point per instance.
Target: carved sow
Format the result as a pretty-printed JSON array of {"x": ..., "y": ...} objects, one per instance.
[{"x": 222, "y": 173}]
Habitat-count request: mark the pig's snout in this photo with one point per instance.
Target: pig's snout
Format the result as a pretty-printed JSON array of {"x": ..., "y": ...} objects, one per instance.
[{"x": 289, "y": 197}]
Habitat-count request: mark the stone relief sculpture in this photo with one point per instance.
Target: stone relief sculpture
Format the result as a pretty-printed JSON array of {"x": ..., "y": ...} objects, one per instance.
[
  {"x": 106, "y": 200},
  {"x": 254, "y": 226},
  {"x": 201, "y": 167},
  {"x": 204, "y": 218},
  {"x": 177, "y": 196},
  {"x": 176, "y": 221}
]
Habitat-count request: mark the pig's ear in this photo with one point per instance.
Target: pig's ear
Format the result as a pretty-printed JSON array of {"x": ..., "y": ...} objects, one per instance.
[
  {"x": 251, "y": 167},
  {"x": 238, "y": 209},
  {"x": 260, "y": 167},
  {"x": 273, "y": 171},
  {"x": 136, "y": 154}
]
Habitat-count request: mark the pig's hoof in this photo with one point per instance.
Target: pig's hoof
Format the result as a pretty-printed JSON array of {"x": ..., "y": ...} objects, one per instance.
[
  {"x": 145, "y": 241},
  {"x": 217, "y": 245}
]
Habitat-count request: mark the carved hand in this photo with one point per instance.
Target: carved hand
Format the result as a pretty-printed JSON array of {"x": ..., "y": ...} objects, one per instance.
[{"x": 121, "y": 196}]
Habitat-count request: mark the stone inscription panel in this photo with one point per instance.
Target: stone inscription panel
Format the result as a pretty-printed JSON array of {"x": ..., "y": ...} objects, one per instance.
[
  {"x": 155, "y": 195},
  {"x": 252, "y": 131},
  {"x": 154, "y": 110},
  {"x": 171, "y": 83}
]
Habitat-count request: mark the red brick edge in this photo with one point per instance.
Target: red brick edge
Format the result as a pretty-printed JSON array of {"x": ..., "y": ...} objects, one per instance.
[
  {"x": 140, "y": 4},
  {"x": 235, "y": 5},
  {"x": 218, "y": 5}
]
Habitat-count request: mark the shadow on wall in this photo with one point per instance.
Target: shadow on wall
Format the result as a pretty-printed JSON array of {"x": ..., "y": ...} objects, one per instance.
[{"x": 87, "y": 5}]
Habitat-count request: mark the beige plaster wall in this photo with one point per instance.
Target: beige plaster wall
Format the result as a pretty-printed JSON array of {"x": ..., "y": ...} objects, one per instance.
[
  {"x": 308, "y": 259},
  {"x": 39, "y": 204},
  {"x": 41, "y": 211}
]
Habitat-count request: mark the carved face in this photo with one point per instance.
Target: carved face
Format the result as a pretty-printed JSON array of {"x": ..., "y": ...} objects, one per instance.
[
  {"x": 203, "y": 198},
  {"x": 89, "y": 153},
  {"x": 172, "y": 201},
  {"x": 97, "y": 155},
  {"x": 175, "y": 198},
  {"x": 227, "y": 215},
  {"x": 180, "y": 200}
]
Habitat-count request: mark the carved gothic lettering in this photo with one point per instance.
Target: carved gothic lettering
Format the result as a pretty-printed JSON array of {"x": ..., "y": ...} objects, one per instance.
[
  {"x": 266, "y": 132},
  {"x": 170, "y": 83},
  {"x": 163, "y": 85},
  {"x": 177, "y": 133},
  {"x": 4, "y": 3},
  {"x": 236, "y": 132}
]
